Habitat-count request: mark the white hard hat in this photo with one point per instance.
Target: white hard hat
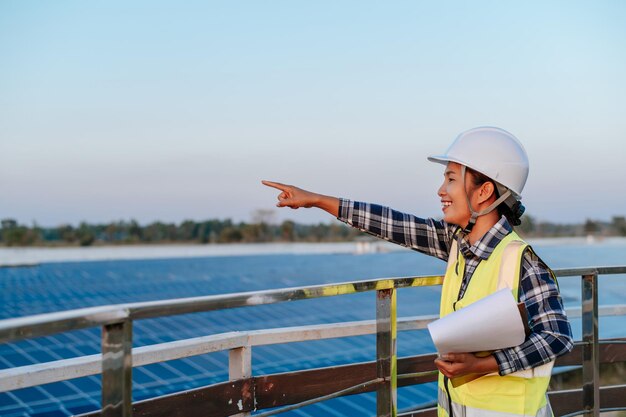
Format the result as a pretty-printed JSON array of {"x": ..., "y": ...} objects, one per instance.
[{"x": 493, "y": 152}]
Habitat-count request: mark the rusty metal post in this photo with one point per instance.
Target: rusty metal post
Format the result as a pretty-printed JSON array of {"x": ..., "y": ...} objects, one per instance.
[
  {"x": 240, "y": 366},
  {"x": 117, "y": 366},
  {"x": 591, "y": 358},
  {"x": 386, "y": 359}
]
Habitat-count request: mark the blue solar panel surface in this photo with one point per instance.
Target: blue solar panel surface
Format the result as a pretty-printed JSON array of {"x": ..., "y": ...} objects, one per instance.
[{"x": 63, "y": 286}]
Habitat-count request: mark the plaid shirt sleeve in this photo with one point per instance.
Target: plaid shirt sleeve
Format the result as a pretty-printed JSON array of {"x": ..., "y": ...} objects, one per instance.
[
  {"x": 551, "y": 335},
  {"x": 429, "y": 236}
]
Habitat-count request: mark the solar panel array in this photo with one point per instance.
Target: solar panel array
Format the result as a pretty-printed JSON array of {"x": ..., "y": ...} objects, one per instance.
[{"x": 63, "y": 286}]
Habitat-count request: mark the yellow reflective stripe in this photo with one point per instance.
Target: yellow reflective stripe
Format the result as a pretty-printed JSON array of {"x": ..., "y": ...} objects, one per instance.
[
  {"x": 509, "y": 266},
  {"x": 452, "y": 257}
]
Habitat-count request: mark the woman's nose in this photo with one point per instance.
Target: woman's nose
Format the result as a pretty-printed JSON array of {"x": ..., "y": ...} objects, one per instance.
[{"x": 441, "y": 191}]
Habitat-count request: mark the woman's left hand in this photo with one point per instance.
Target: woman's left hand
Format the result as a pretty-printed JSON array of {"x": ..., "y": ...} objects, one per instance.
[{"x": 454, "y": 365}]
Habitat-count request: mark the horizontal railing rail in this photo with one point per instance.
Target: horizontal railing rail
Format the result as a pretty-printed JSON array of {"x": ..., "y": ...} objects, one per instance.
[
  {"x": 116, "y": 321},
  {"x": 50, "y": 323}
]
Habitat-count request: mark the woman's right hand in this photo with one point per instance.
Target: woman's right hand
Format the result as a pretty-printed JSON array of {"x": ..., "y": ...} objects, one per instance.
[
  {"x": 295, "y": 198},
  {"x": 291, "y": 196}
]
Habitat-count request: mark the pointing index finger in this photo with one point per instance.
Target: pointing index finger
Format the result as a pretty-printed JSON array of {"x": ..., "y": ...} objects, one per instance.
[{"x": 276, "y": 185}]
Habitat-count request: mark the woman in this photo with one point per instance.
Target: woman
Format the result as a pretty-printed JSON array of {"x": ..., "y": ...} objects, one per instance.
[{"x": 486, "y": 170}]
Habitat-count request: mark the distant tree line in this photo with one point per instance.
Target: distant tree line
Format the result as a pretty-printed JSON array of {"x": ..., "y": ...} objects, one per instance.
[
  {"x": 260, "y": 230},
  {"x": 189, "y": 231},
  {"x": 530, "y": 227}
]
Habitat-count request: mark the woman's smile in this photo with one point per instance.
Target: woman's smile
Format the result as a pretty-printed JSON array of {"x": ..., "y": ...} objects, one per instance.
[{"x": 453, "y": 197}]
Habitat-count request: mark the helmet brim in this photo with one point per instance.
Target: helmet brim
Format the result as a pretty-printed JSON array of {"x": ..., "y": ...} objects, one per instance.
[
  {"x": 444, "y": 159},
  {"x": 440, "y": 159}
]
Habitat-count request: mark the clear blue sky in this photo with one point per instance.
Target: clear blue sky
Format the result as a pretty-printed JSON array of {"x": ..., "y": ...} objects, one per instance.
[{"x": 173, "y": 110}]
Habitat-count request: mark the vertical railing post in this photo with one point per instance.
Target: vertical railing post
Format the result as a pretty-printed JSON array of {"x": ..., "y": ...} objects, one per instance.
[
  {"x": 591, "y": 359},
  {"x": 117, "y": 366},
  {"x": 386, "y": 397},
  {"x": 239, "y": 367}
]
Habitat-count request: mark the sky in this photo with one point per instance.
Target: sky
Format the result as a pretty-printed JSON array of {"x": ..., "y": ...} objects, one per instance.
[{"x": 166, "y": 110}]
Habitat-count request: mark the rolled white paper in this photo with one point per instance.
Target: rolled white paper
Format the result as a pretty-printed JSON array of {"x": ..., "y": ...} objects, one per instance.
[{"x": 491, "y": 323}]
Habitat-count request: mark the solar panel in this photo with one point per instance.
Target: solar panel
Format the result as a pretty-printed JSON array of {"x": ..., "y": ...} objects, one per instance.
[{"x": 64, "y": 286}]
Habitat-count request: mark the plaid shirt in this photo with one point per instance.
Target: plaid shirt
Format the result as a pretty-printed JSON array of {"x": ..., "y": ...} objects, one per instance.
[{"x": 551, "y": 335}]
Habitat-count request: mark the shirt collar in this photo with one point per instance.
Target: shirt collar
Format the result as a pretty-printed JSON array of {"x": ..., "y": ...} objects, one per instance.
[{"x": 484, "y": 246}]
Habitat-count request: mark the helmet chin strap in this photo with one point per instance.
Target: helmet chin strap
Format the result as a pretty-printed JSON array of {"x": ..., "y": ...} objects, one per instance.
[{"x": 475, "y": 214}]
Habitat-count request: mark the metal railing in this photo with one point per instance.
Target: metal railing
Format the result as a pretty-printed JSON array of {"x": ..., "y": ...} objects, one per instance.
[{"x": 117, "y": 353}]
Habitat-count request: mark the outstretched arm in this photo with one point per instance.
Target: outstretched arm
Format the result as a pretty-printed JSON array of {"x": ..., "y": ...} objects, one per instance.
[
  {"x": 295, "y": 198},
  {"x": 428, "y": 236}
]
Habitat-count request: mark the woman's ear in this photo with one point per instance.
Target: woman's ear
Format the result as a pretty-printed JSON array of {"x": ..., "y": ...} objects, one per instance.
[{"x": 487, "y": 189}]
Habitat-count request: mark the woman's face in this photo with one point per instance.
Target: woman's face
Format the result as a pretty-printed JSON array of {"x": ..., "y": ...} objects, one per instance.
[{"x": 453, "y": 195}]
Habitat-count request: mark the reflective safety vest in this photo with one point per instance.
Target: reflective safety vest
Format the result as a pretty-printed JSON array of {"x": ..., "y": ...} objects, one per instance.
[{"x": 517, "y": 394}]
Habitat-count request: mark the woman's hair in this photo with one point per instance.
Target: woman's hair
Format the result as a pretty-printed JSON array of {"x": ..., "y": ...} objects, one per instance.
[{"x": 512, "y": 214}]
